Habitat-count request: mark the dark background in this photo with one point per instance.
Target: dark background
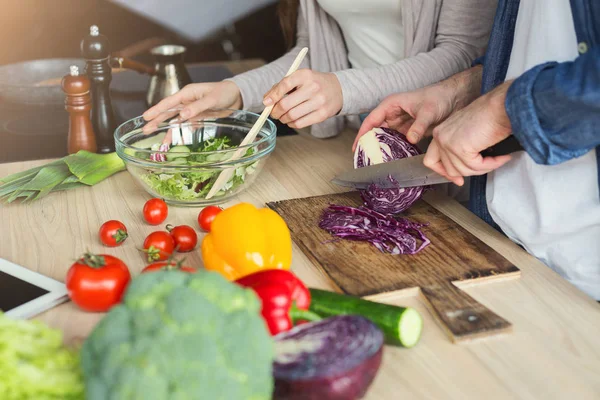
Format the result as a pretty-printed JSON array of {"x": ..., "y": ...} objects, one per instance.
[
  {"x": 43, "y": 29},
  {"x": 34, "y": 29}
]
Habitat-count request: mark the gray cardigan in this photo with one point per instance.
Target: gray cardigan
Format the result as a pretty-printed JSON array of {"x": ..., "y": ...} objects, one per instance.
[{"x": 442, "y": 37}]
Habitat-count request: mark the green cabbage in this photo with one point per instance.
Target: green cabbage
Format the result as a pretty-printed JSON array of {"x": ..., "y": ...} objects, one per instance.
[{"x": 34, "y": 364}]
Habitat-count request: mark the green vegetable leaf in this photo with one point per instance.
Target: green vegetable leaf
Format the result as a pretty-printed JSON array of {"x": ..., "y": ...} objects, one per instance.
[
  {"x": 34, "y": 364},
  {"x": 44, "y": 181},
  {"x": 23, "y": 194},
  {"x": 28, "y": 174},
  {"x": 91, "y": 168},
  {"x": 219, "y": 143},
  {"x": 9, "y": 187},
  {"x": 67, "y": 173}
]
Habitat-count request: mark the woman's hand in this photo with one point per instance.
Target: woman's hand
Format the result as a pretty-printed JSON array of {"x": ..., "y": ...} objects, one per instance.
[
  {"x": 194, "y": 99},
  {"x": 457, "y": 142},
  {"x": 305, "y": 98},
  {"x": 416, "y": 113}
]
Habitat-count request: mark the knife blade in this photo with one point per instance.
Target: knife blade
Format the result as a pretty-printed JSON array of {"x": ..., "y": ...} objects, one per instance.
[{"x": 409, "y": 172}]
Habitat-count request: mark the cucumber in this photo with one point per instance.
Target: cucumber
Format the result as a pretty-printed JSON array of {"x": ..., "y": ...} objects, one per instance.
[
  {"x": 400, "y": 325},
  {"x": 129, "y": 151},
  {"x": 178, "y": 152},
  {"x": 135, "y": 153},
  {"x": 149, "y": 142},
  {"x": 178, "y": 161}
]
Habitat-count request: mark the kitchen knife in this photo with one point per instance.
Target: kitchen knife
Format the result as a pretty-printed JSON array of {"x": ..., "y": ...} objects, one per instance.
[{"x": 410, "y": 172}]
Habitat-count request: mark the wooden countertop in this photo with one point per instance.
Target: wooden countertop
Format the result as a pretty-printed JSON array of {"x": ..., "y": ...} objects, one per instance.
[{"x": 552, "y": 353}]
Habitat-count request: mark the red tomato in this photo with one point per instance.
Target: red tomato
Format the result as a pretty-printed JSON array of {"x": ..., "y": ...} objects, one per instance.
[
  {"x": 97, "y": 282},
  {"x": 155, "y": 211},
  {"x": 184, "y": 236},
  {"x": 112, "y": 233},
  {"x": 168, "y": 266},
  {"x": 159, "y": 245},
  {"x": 207, "y": 215}
]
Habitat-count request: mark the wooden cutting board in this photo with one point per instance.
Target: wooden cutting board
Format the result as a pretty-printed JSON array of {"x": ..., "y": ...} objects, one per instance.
[{"x": 358, "y": 268}]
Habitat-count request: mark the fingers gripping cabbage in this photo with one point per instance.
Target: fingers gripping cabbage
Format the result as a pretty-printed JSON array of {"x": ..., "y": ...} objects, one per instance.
[{"x": 381, "y": 145}]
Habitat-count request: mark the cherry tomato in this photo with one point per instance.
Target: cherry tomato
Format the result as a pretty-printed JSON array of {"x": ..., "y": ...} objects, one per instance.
[
  {"x": 168, "y": 266},
  {"x": 207, "y": 215},
  {"x": 113, "y": 233},
  {"x": 97, "y": 282},
  {"x": 155, "y": 211},
  {"x": 159, "y": 245},
  {"x": 184, "y": 236}
]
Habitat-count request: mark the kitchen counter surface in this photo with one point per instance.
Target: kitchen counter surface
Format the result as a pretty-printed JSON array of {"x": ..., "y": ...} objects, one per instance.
[{"x": 552, "y": 352}]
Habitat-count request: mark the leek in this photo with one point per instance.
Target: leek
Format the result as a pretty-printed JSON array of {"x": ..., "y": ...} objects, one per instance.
[{"x": 75, "y": 170}]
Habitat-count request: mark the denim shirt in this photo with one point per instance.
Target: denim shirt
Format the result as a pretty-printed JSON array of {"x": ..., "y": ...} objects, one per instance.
[{"x": 554, "y": 108}]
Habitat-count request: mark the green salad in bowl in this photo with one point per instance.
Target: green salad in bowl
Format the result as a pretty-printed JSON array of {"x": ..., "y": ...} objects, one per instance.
[{"x": 180, "y": 162}]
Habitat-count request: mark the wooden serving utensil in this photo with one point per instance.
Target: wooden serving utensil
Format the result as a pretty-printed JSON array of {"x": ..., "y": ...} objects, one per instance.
[{"x": 225, "y": 175}]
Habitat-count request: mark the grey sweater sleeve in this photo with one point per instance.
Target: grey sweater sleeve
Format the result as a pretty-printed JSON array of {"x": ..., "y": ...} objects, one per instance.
[
  {"x": 462, "y": 34},
  {"x": 255, "y": 83}
]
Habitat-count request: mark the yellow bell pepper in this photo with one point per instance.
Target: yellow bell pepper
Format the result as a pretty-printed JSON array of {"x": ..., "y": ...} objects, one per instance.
[{"x": 244, "y": 239}]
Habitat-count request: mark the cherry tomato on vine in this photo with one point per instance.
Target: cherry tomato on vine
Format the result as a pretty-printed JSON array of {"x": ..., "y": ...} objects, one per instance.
[
  {"x": 159, "y": 246},
  {"x": 207, "y": 215},
  {"x": 185, "y": 237},
  {"x": 97, "y": 282},
  {"x": 168, "y": 266},
  {"x": 112, "y": 233},
  {"x": 155, "y": 211}
]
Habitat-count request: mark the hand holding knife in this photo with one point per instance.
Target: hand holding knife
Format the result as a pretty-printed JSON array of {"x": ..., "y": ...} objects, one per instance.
[{"x": 410, "y": 172}]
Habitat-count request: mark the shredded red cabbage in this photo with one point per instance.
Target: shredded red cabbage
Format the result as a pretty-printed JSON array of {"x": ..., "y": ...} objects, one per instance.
[
  {"x": 159, "y": 157},
  {"x": 391, "y": 145},
  {"x": 388, "y": 234}
]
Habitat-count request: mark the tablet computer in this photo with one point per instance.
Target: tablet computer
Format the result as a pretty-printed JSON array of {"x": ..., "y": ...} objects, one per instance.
[{"x": 25, "y": 293}]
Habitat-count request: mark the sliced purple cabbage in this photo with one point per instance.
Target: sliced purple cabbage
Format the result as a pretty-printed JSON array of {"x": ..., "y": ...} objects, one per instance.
[
  {"x": 389, "y": 234},
  {"x": 159, "y": 157},
  {"x": 381, "y": 145},
  {"x": 334, "y": 359}
]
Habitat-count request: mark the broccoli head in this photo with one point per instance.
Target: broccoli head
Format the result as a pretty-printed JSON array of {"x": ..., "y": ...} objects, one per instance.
[{"x": 180, "y": 336}]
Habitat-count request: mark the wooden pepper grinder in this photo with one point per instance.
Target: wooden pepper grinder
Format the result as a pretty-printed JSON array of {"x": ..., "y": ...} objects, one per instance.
[
  {"x": 78, "y": 104},
  {"x": 96, "y": 51}
]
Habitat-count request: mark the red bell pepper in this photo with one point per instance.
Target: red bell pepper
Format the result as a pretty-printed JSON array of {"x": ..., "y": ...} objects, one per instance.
[{"x": 285, "y": 299}]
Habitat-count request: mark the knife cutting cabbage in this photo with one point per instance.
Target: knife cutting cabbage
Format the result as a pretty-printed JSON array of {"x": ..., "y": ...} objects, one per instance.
[{"x": 407, "y": 172}]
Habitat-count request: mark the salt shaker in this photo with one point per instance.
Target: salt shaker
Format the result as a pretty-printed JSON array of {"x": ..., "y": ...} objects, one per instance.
[
  {"x": 78, "y": 104},
  {"x": 95, "y": 48}
]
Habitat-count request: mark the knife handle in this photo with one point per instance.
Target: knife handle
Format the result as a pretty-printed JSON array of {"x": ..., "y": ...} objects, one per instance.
[{"x": 507, "y": 146}]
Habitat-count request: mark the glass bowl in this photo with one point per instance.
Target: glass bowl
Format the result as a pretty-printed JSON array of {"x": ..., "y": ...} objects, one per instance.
[{"x": 180, "y": 161}]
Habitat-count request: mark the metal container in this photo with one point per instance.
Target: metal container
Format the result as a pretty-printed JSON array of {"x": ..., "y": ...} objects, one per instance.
[{"x": 170, "y": 74}]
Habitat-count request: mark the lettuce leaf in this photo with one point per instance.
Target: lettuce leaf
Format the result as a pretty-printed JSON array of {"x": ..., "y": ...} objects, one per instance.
[
  {"x": 34, "y": 364},
  {"x": 190, "y": 185}
]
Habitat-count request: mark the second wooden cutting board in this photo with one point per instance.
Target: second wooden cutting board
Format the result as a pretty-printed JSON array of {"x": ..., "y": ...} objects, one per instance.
[{"x": 359, "y": 269}]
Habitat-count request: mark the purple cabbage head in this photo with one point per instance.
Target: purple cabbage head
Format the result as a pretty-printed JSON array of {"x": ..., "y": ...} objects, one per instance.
[
  {"x": 336, "y": 358},
  {"x": 381, "y": 145}
]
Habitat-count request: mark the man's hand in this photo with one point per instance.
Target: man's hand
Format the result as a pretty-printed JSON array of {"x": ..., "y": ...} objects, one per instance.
[
  {"x": 415, "y": 113},
  {"x": 457, "y": 142}
]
